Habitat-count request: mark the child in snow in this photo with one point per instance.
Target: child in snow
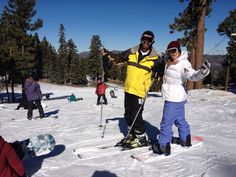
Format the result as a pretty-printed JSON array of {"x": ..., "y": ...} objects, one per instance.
[
  {"x": 101, "y": 92},
  {"x": 10, "y": 163},
  {"x": 177, "y": 71}
]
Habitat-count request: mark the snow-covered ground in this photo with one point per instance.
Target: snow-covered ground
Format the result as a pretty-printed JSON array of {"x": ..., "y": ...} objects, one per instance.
[{"x": 210, "y": 113}]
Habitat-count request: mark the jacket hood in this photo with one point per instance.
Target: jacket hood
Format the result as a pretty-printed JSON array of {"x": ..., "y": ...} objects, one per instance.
[{"x": 183, "y": 56}]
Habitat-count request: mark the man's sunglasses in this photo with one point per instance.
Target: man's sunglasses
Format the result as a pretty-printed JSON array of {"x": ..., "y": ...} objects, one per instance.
[
  {"x": 171, "y": 51},
  {"x": 147, "y": 40}
]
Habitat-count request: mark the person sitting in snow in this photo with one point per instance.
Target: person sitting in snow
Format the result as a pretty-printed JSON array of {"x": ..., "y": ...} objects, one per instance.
[
  {"x": 101, "y": 92},
  {"x": 10, "y": 162},
  {"x": 177, "y": 71},
  {"x": 72, "y": 98}
]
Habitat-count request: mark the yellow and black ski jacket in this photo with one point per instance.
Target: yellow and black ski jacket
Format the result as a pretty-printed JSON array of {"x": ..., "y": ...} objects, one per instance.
[{"x": 139, "y": 69}]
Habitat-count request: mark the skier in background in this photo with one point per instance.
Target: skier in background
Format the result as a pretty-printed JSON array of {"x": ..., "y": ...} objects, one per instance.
[
  {"x": 101, "y": 92},
  {"x": 33, "y": 94},
  {"x": 177, "y": 71},
  {"x": 141, "y": 62}
]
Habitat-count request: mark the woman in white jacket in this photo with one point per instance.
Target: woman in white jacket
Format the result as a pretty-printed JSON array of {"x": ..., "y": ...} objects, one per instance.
[{"x": 177, "y": 71}]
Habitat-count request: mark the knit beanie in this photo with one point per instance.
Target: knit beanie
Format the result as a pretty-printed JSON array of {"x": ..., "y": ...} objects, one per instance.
[{"x": 173, "y": 44}]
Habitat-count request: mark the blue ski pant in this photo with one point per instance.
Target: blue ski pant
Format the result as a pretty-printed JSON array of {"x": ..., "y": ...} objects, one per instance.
[{"x": 173, "y": 113}]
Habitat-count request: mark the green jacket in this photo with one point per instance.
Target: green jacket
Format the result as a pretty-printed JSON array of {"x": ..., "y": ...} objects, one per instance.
[{"x": 72, "y": 98}]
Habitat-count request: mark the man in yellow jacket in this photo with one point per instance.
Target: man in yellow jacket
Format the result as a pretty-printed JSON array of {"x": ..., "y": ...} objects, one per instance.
[{"x": 140, "y": 63}]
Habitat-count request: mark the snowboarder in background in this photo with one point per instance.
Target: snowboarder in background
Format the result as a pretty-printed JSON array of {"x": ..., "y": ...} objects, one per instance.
[
  {"x": 33, "y": 94},
  {"x": 140, "y": 60},
  {"x": 10, "y": 162},
  {"x": 101, "y": 92},
  {"x": 177, "y": 71}
]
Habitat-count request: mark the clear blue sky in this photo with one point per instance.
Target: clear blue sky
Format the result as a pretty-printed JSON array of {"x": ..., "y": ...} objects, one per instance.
[{"x": 119, "y": 23}]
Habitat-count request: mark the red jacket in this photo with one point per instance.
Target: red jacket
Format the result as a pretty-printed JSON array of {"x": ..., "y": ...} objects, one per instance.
[
  {"x": 10, "y": 164},
  {"x": 101, "y": 88}
]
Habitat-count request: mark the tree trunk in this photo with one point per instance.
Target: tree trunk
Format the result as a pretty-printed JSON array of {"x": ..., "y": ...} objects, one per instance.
[
  {"x": 227, "y": 73},
  {"x": 6, "y": 82},
  {"x": 200, "y": 41},
  {"x": 12, "y": 91}
]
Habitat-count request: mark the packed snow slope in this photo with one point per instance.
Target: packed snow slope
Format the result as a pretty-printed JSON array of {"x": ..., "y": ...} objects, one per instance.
[{"x": 210, "y": 113}]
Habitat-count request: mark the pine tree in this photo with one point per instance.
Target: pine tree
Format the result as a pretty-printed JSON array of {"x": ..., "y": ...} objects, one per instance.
[
  {"x": 48, "y": 57},
  {"x": 191, "y": 21},
  {"x": 51, "y": 56},
  {"x": 45, "y": 60},
  {"x": 16, "y": 21},
  {"x": 228, "y": 28},
  {"x": 38, "y": 58},
  {"x": 62, "y": 53},
  {"x": 94, "y": 65},
  {"x": 71, "y": 53}
]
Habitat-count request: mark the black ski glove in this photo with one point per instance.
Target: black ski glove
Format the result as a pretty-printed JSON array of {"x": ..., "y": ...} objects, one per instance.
[
  {"x": 159, "y": 67},
  {"x": 104, "y": 52},
  {"x": 205, "y": 68}
]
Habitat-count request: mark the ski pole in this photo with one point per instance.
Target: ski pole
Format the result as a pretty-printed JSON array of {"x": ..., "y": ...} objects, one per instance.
[
  {"x": 140, "y": 107},
  {"x": 100, "y": 125},
  {"x": 101, "y": 116},
  {"x": 103, "y": 132}
]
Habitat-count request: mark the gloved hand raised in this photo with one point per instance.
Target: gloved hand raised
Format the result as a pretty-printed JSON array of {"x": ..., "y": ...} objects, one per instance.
[
  {"x": 205, "y": 68},
  {"x": 104, "y": 52},
  {"x": 158, "y": 69},
  {"x": 159, "y": 66}
]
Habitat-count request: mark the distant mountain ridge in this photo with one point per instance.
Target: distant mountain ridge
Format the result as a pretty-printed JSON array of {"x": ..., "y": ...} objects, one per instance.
[{"x": 86, "y": 53}]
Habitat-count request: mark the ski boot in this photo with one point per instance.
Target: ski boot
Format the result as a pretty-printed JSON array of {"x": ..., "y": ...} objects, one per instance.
[
  {"x": 177, "y": 140},
  {"x": 187, "y": 143},
  {"x": 137, "y": 142},
  {"x": 158, "y": 149},
  {"x": 126, "y": 140},
  {"x": 29, "y": 117}
]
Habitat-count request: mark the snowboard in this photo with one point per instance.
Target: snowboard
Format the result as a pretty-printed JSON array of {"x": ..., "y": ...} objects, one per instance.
[
  {"x": 37, "y": 146},
  {"x": 176, "y": 149}
]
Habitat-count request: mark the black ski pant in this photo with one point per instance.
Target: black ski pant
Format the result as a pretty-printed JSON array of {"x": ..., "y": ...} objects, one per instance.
[
  {"x": 104, "y": 99},
  {"x": 132, "y": 105},
  {"x": 31, "y": 104}
]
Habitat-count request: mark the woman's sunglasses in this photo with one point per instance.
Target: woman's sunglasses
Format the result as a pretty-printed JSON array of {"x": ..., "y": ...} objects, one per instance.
[{"x": 171, "y": 51}]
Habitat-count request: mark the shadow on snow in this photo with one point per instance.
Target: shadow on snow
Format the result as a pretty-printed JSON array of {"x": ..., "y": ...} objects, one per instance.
[{"x": 34, "y": 164}]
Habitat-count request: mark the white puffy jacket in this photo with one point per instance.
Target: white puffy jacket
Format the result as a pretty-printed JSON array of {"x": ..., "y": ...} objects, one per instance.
[{"x": 175, "y": 78}]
